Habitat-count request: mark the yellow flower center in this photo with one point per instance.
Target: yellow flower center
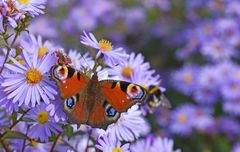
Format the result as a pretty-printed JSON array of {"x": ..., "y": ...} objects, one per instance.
[
  {"x": 33, "y": 143},
  {"x": 105, "y": 45},
  {"x": 182, "y": 118},
  {"x": 117, "y": 149},
  {"x": 127, "y": 71},
  {"x": 41, "y": 51},
  {"x": 42, "y": 117},
  {"x": 33, "y": 76},
  {"x": 24, "y": 1},
  {"x": 187, "y": 77}
]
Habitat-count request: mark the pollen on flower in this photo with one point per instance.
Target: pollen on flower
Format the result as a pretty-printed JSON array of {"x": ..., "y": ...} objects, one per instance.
[
  {"x": 33, "y": 76},
  {"x": 105, "y": 45},
  {"x": 182, "y": 118},
  {"x": 127, "y": 71},
  {"x": 33, "y": 143},
  {"x": 24, "y": 1},
  {"x": 117, "y": 149},
  {"x": 42, "y": 117},
  {"x": 41, "y": 51},
  {"x": 187, "y": 77}
]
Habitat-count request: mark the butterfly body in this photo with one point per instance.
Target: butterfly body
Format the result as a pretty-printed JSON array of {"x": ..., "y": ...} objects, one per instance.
[{"x": 90, "y": 101}]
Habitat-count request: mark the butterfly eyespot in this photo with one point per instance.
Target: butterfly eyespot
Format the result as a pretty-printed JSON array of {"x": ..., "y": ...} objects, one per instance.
[
  {"x": 111, "y": 112},
  {"x": 135, "y": 92},
  {"x": 60, "y": 72},
  {"x": 70, "y": 103}
]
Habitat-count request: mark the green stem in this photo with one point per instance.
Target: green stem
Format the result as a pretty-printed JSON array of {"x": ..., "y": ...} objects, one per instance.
[
  {"x": 55, "y": 142},
  {"x": 4, "y": 146},
  {"x": 24, "y": 142},
  {"x": 14, "y": 124},
  {"x": 9, "y": 48}
]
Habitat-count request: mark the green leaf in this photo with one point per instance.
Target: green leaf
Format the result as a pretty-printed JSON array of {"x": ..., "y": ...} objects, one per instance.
[
  {"x": 68, "y": 131},
  {"x": 14, "y": 117},
  {"x": 15, "y": 134}
]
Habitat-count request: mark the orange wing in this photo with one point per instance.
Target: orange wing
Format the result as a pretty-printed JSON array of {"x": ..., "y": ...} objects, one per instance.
[
  {"x": 121, "y": 95},
  {"x": 69, "y": 80},
  {"x": 76, "y": 108},
  {"x": 102, "y": 114}
]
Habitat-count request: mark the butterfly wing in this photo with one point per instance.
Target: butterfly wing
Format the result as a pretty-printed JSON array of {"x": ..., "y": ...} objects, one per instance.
[
  {"x": 69, "y": 80},
  {"x": 76, "y": 108},
  {"x": 102, "y": 115},
  {"x": 156, "y": 98},
  {"x": 90, "y": 109},
  {"x": 121, "y": 95}
]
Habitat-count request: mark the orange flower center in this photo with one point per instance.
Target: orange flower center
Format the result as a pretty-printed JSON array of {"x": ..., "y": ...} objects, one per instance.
[
  {"x": 117, "y": 149},
  {"x": 182, "y": 118},
  {"x": 127, "y": 71},
  {"x": 41, "y": 51},
  {"x": 33, "y": 76},
  {"x": 25, "y": 2},
  {"x": 187, "y": 77},
  {"x": 105, "y": 45},
  {"x": 42, "y": 117}
]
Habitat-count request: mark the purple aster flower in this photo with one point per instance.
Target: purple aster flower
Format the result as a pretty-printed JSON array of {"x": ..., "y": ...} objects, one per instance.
[
  {"x": 56, "y": 110},
  {"x": 5, "y": 103},
  {"x": 33, "y": 7},
  {"x": 181, "y": 120},
  {"x": 10, "y": 13},
  {"x": 112, "y": 56},
  {"x": 153, "y": 144},
  {"x": 185, "y": 78},
  {"x": 32, "y": 145},
  {"x": 202, "y": 119},
  {"x": 232, "y": 8},
  {"x": 33, "y": 44},
  {"x": 227, "y": 70},
  {"x": 107, "y": 143},
  {"x": 76, "y": 143},
  {"x": 205, "y": 95},
  {"x": 29, "y": 83},
  {"x": 42, "y": 124},
  {"x": 129, "y": 126},
  {"x": 228, "y": 126},
  {"x": 146, "y": 78},
  {"x": 231, "y": 90},
  {"x": 208, "y": 77},
  {"x": 218, "y": 49},
  {"x": 81, "y": 62},
  {"x": 126, "y": 69},
  {"x": 232, "y": 106}
]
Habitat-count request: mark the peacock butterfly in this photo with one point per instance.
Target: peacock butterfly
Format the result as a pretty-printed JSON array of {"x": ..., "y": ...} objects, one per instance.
[{"x": 90, "y": 101}]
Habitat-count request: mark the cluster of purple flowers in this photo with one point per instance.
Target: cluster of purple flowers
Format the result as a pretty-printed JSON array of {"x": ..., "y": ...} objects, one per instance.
[
  {"x": 31, "y": 106},
  {"x": 201, "y": 38},
  {"x": 210, "y": 73}
]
